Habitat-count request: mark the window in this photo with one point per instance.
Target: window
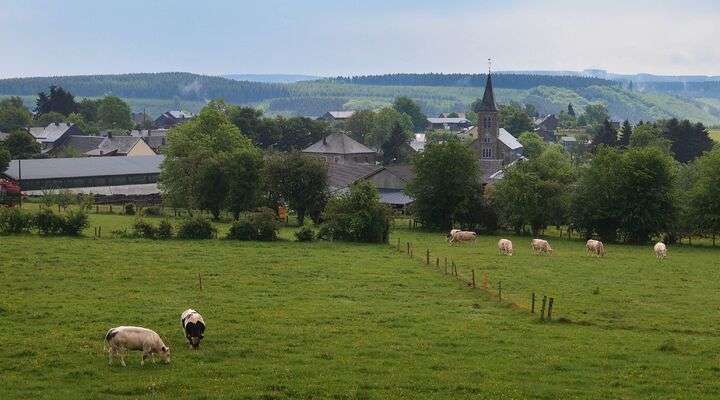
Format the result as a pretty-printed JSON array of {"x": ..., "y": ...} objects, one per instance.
[{"x": 486, "y": 152}]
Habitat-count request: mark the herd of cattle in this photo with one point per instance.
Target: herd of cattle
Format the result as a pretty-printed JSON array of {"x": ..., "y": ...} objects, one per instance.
[
  {"x": 125, "y": 338},
  {"x": 540, "y": 246}
]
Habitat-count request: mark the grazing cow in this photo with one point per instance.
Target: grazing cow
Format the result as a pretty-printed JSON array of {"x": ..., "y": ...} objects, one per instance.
[
  {"x": 505, "y": 247},
  {"x": 193, "y": 325},
  {"x": 660, "y": 250},
  {"x": 541, "y": 246},
  {"x": 595, "y": 247},
  {"x": 452, "y": 232},
  {"x": 463, "y": 236},
  {"x": 135, "y": 338}
]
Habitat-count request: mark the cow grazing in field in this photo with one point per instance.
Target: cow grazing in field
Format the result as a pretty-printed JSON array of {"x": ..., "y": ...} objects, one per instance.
[
  {"x": 660, "y": 250},
  {"x": 541, "y": 246},
  {"x": 135, "y": 338},
  {"x": 595, "y": 247},
  {"x": 193, "y": 325},
  {"x": 463, "y": 236},
  {"x": 452, "y": 232},
  {"x": 505, "y": 247}
]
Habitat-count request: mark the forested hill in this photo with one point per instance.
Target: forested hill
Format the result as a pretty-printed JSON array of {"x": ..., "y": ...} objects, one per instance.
[
  {"x": 165, "y": 85},
  {"x": 504, "y": 81}
]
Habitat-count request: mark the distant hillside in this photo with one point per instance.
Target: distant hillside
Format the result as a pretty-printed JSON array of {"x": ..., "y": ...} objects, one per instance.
[
  {"x": 271, "y": 78},
  {"x": 166, "y": 85}
]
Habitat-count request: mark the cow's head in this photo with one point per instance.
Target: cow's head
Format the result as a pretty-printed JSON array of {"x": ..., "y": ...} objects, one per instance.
[{"x": 195, "y": 340}]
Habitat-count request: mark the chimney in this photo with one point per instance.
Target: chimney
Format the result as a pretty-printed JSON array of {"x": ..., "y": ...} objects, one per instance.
[
  {"x": 109, "y": 134},
  {"x": 325, "y": 140},
  {"x": 57, "y": 124}
]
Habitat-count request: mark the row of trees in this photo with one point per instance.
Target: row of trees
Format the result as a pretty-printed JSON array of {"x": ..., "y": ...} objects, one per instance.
[
  {"x": 59, "y": 105},
  {"x": 621, "y": 194}
]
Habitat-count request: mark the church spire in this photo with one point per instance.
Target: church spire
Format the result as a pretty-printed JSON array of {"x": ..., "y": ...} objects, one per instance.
[{"x": 488, "y": 101}]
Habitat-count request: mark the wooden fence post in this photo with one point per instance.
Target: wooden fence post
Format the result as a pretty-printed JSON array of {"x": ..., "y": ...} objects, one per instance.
[
  {"x": 99, "y": 231},
  {"x": 410, "y": 224},
  {"x": 542, "y": 309},
  {"x": 408, "y": 247},
  {"x": 550, "y": 307},
  {"x": 454, "y": 271},
  {"x": 437, "y": 262},
  {"x": 427, "y": 257},
  {"x": 473, "y": 278},
  {"x": 532, "y": 303},
  {"x": 485, "y": 280}
]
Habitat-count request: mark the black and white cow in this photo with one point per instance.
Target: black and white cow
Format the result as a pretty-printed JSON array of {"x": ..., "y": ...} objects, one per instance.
[{"x": 193, "y": 325}]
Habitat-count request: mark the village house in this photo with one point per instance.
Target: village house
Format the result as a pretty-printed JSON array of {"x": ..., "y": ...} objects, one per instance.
[
  {"x": 390, "y": 181},
  {"x": 339, "y": 148},
  {"x": 452, "y": 124},
  {"x": 54, "y": 134},
  {"x": 169, "y": 119},
  {"x": 546, "y": 127},
  {"x": 102, "y": 146},
  {"x": 155, "y": 138},
  {"x": 336, "y": 116}
]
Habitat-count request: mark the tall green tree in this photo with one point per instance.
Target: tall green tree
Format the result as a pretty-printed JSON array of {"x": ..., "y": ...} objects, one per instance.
[
  {"x": 649, "y": 135},
  {"x": 571, "y": 110},
  {"x": 394, "y": 148},
  {"x": 605, "y": 134},
  {"x": 594, "y": 115},
  {"x": 4, "y": 158},
  {"x": 22, "y": 145},
  {"x": 514, "y": 118},
  {"x": 688, "y": 140},
  {"x": 406, "y": 106},
  {"x": 113, "y": 113},
  {"x": 704, "y": 197},
  {"x": 385, "y": 120},
  {"x": 533, "y": 144},
  {"x": 13, "y": 115},
  {"x": 358, "y": 216},
  {"x": 88, "y": 109},
  {"x": 56, "y": 100},
  {"x": 297, "y": 133},
  {"x": 244, "y": 179},
  {"x": 46, "y": 119},
  {"x": 360, "y": 124},
  {"x": 300, "y": 181},
  {"x": 447, "y": 178},
  {"x": 625, "y": 134}
]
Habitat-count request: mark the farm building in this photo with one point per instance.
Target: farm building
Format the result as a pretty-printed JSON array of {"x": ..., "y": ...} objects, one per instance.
[
  {"x": 452, "y": 124},
  {"x": 390, "y": 181},
  {"x": 155, "y": 138},
  {"x": 339, "y": 148},
  {"x": 336, "y": 116},
  {"x": 546, "y": 127},
  {"x": 169, "y": 119},
  {"x": 54, "y": 134},
  {"x": 102, "y": 146},
  {"x": 89, "y": 172}
]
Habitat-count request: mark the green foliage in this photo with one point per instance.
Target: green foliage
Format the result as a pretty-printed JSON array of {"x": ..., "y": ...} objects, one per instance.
[
  {"x": 533, "y": 144},
  {"x": 4, "y": 158},
  {"x": 649, "y": 135},
  {"x": 360, "y": 124},
  {"x": 605, "y": 134},
  {"x": 15, "y": 220},
  {"x": 514, "y": 118},
  {"x": 625, "y": 134},
  {"x": 43, "y": 120},
  {"x": 22, "y": 145},
  {"x": 358, "y": 216},
  {"x": 704, "y": 194},
  {"x": 536, "y": 192},
  {"x": 298, "y": 180},
  {"x": 144, "y": 229},
  {"x": 395, "y": 147},
  {"x": 57, "y": 100},
  {"x": 261, "y": 224},
  {"x": 113, "y": 113},
  {"x": 447, "y": 176},
  {"x": 196, "y": 227},
  {"x": 305, "y": 234},
  {"x": 595, "y": 115},
  {"x": 152, "y": 211},
  {"x": 406, "y": 106},
  {"x": 244, "y": 169},
  {"x": 13, "y": 115},
  {"x": 688, "y": 140},
  {"x": 47, "y": 222},
  {"x": 242, "y": 229},
  {"x": 385, "y": 121},
  {"x": 129, "y": 209},
  {"x": 164, "y": 230}
]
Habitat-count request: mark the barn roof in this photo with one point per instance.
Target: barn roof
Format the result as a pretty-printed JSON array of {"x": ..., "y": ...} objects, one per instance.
[
  {"x": 50, "y": 133},
  {"x": 395, "y": 197},
  {"x": 338, "y": 143},
  {"x": 434, "y": 120},
  {"x": 344, "y": 175},
  {"x": 57, "y": 168},
  {"x": 509, "y": 140},
  {"x": 341, "y": 114}
]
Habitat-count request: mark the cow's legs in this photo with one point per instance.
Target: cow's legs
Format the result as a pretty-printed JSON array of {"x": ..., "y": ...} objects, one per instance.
[
  {"x": 122, "y": 357},
  {"x": 110, "y": 353}
]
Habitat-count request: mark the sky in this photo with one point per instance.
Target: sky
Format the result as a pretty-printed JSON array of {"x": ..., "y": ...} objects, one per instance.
[{"x": 330, "y": 38}]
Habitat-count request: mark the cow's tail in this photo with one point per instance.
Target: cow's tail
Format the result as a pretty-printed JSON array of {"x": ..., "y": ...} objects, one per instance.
[{"x": 108, "y": 336}]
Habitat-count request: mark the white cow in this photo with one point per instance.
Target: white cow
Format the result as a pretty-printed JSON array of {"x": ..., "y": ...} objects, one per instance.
[
  {"x": 135, "y": 338},
  {"x": 505, "y": 247},
  {"x": 463, "y": 236},
  {"x": 452, "y": 232},
  {"x": 595, "y": 247},
  {"x": 541, "y": 246},
  {"x": 660, "y": 250}
]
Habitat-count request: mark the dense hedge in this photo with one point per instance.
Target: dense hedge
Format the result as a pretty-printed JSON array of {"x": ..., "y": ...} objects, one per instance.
[{"x": 45, "y": 221}]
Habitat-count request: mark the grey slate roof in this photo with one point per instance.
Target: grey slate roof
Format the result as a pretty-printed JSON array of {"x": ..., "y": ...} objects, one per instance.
[
  {"x": 433, "y": 120},
  {"x": 51, "y": 168},
  {"x": 98, "y": 145},
  {"x": 488, "y": 101},
  {"x": 509, "y": 140},
  {"x": 343, "y": 175},
  {"x": 82, "y": 144},
  {"x": 50, "y": 133},
  {"x": 395, "y": 197},
  {"x": 177, "y": 114},
  {"x": 340, "y": 114},
  {"x": 338, "y": 143}
]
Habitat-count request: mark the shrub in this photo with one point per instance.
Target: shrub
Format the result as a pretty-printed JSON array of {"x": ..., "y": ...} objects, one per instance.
[
  {"x": 305, "y": 234},
  {"x": 130, "y": 209},
  {"x": 47, "y": 222},
  {"x": 15, "y": 220},
  {"x": 121, "y": 233},
  {"x": 152, "y": 211},
  {"x": 144, "y": 229},
  {"x": 75, "y": 222},
  {"x": 196, "y": 228},
  {"x": 258, "y": 225},
  {"x": 242, "y": 229},
  {"x": 357, "y": 216},
  {"x": 164, "y": 230}
]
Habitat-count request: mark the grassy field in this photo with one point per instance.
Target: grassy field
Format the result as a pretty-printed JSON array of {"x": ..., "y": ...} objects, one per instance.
[
  {"x": 288, "y": 320},
  {"x": 715, "y": 134}
]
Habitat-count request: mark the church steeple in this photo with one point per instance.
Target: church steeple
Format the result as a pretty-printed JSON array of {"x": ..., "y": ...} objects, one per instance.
[{"x": 488, "y": 101}]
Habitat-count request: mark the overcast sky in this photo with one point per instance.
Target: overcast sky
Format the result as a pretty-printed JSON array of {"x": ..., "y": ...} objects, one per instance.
[{"x": 318, "y": 37}]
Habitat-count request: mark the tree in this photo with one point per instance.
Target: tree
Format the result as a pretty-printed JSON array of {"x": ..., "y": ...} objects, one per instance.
[
  {"x": 193, "y": 172},
  {"x": 439, "y": 135},
  {"x": 113, "y": 113},
  {"x": 13, "y": 114},
  {"x": 515, "y": 119},
  {"x": 4, "y": 159},
  {"x": 245, "y": 118},
  {"x": 77, "y": 119},
  {"x": 360, "y": 124},
  {"x": 57, "y": 100},
  {"x": 571, "y": 110},
  {"x": 649, "y": 135},
  {"x": 21, "y": 145},
  {"x": 533, "y": 144},
  {"x": 594, "y": 115},
  {"x": 358, "y": 216},
  {"x": 688, "y": 141},
  {"x": 447, "y": 176},
  {"x": 394, "y": 148},
  {"x": 605, "y": 134},
  {"x": 406, "y": 106},
  {"x": 625, "y": 134},
  {"x": 385, "y": 120},
  {"x": 535, "y": 192},
  {"x": 704, "y": 194},
  {"x": 48, "y": 118},
  {"x": 244, "y": 180},
  {"x": 566, "y": 120},
  {"x": 297, "y": 133},
  {"x": 298, "y": 180},
  {"x": 88, "y": 109}
]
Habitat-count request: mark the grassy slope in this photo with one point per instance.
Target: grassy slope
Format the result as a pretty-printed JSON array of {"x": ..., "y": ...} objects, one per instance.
[
  {"x": 331, "y": 320},
  {"x": 715, "y": 134}
]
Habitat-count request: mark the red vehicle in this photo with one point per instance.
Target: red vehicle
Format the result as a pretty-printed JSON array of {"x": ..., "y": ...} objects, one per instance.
[{"x": 9, "y": 192}]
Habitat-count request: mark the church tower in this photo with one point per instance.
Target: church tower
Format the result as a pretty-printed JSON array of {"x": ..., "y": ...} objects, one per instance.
[{"x": 487, "y": 124}]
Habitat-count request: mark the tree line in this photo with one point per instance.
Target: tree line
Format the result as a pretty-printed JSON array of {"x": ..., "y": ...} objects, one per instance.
[{"x": 500, "y": 80}]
